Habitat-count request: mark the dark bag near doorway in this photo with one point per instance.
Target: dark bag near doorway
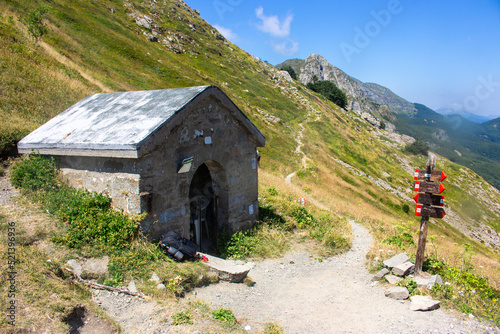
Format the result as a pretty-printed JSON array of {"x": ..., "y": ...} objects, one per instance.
[{"x": 180, "y": 248}]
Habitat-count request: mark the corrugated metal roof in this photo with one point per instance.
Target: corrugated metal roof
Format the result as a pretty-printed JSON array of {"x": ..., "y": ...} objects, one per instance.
[{"x": 111, "y": 121}]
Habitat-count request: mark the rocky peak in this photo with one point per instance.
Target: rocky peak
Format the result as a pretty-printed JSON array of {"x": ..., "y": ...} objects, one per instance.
[{"x": 363, "y": 97}]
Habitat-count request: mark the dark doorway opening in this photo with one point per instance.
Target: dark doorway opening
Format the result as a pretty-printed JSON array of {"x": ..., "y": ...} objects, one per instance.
[{"x": 204, "y": 206}]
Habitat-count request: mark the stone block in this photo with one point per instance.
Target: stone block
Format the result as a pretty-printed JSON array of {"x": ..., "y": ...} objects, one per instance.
[
  {"x": 131, "y": 287},
  {"x": 227, "y": 270},
  {"x": 436, "y": 279},
  {"x": 77, "y": 267},
  {"x": 396, "y": 260},
  {"x": 378, "y": 276},
  {"x": 421, "y": 281},
  {"x": 397, "y": 292},
  {"x": 423, "y": 303},
  {"x": 392, "y": 279},
  {"x": 403, "y": 269}
]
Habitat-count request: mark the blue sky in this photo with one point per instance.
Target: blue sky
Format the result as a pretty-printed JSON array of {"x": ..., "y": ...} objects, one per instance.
[{"x": 444, "y": 54}]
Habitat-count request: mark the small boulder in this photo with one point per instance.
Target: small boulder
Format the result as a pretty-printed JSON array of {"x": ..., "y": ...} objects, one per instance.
[
  {"x": 421, "y": 281},
  {"x": 436, "y": 279},
  {"x": 396, "y": 260},
  {"x": 397, "y": 292},
  {"x": 77, "y": 267},
  {"x": 423, "y": 303},
  {"x": 161, "y": 286},
  {"x": 378, "y": 276},
  {"x": 403, "y": 269},
  {"x": 131, "y": 287},
  {"x": 392, "y": 279},
  {"x": 154, "y": 278}
]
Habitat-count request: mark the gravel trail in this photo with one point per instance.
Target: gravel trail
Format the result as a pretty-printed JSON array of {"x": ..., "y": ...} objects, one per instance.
[{"x": 336, "y": 295}]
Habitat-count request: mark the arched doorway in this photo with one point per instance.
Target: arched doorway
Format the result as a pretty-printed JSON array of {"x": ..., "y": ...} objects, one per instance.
[{"x": 204, "y": 205}]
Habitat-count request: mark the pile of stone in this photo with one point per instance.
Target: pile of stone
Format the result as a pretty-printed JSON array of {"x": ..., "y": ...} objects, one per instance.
[{"x": 399, "y": 267}]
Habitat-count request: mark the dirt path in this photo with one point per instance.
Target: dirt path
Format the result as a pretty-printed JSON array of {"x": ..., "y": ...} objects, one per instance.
[{"x": 336, "y": 295}]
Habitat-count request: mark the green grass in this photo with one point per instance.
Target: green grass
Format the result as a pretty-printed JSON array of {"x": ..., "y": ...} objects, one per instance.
[
  {"x": 93, "y": 228},
  {"x": 467, "y": 292}
]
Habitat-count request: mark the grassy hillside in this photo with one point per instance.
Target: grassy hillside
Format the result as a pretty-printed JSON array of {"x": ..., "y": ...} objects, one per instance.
[
  {"x": 342, "y": 163},
  {"x": 464, "y": 142}
]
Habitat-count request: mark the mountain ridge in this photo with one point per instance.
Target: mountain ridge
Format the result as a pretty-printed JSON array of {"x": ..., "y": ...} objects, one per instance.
[{"x": 445, "y": 134}]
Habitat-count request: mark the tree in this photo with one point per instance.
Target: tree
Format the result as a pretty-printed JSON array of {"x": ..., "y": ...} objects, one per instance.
[
  {"x": 34, "y": 22},
  {"x": 328, "y": 90},
  {"x": 417, "y": 147}
]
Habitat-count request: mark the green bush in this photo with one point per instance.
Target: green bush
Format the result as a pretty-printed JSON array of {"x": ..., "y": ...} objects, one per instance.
[
  {"x": 34, "y": 172},
  {"x": 182, "y": 318},
  {"x": 465, "y": 291},
  {"x": 224, "y": 315},
  {"x": 417, "y": 147},
  {"x": 329, "y": 90},
  {"x": 402, "y": 241},
  {"x": 303, "y": 217},
  {"x": 36, "y": 27},
  {"x": 92, "y": 221}
]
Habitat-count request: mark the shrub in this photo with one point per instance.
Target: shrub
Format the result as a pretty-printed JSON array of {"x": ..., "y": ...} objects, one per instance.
[
  {"x": 91, "y": 219},
  {"x": 303, "y": 217},
  {"x": 33, "y": 172},
  {"x": 329, "y": 90},
  {"x": 182, "y": 318},
  {"x": 417, "y": 147},
  {"x": 224, "y": 315},
  {"x": 34, "y": 22},
  {"x": 402, "y": 240},
  {"x": 464, "y": 290}
]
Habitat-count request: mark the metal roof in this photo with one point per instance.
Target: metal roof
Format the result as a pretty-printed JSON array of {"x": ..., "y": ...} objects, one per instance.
[{"x": 110, "y": 124}]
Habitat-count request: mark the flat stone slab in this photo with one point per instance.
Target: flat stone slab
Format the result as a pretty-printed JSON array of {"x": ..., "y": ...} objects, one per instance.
[
  {"x": 423, "y": 303},
  {"x": 397, "y": 292},
  {"x": 403, "y": 269},
  {"x": 378, "y": 276},
  {"x": 227, "y": 270},
  {"x": 392, "y": 279},
  {"x": 435, "y": 279},
  {"x": 77, "y": 267},
  {"x": 428, "y": 282},
  {"x": 96, "y": 266},
  {"x": 396, "y": 260}
]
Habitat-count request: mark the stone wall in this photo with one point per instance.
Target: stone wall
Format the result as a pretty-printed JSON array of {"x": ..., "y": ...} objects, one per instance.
[{"x": 115, "y": 177}]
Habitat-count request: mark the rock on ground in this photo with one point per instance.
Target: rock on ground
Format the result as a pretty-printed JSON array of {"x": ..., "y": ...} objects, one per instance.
[
  {"x": 396, "y": 260},
  {"x": 423, "y": 303}
]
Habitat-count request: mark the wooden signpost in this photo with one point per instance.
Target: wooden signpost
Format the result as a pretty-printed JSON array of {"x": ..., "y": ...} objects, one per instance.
[{"x": 429, "y": 205}]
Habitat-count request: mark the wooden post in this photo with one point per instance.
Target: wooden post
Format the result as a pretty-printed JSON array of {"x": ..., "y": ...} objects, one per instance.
[{"x": 422, "y": 236}]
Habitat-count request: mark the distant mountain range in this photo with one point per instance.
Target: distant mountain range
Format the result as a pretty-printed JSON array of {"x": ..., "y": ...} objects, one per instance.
[
  {"x": 470, "y": 140},
  {"x": 471, "y": 117}
]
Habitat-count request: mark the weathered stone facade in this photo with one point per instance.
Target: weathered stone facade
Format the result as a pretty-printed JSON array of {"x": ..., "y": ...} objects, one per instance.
[{"x": 196, "y": 174}]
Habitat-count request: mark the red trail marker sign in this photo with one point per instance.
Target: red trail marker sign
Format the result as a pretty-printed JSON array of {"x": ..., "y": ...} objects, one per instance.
[{"x": 429, "y": 204}]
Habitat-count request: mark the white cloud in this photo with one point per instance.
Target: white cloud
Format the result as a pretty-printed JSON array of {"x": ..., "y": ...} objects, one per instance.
[
  {"x": 227, "y": 33},
  {"x": 272, "y": 24},
  {"x": 286, "y": 48}
]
